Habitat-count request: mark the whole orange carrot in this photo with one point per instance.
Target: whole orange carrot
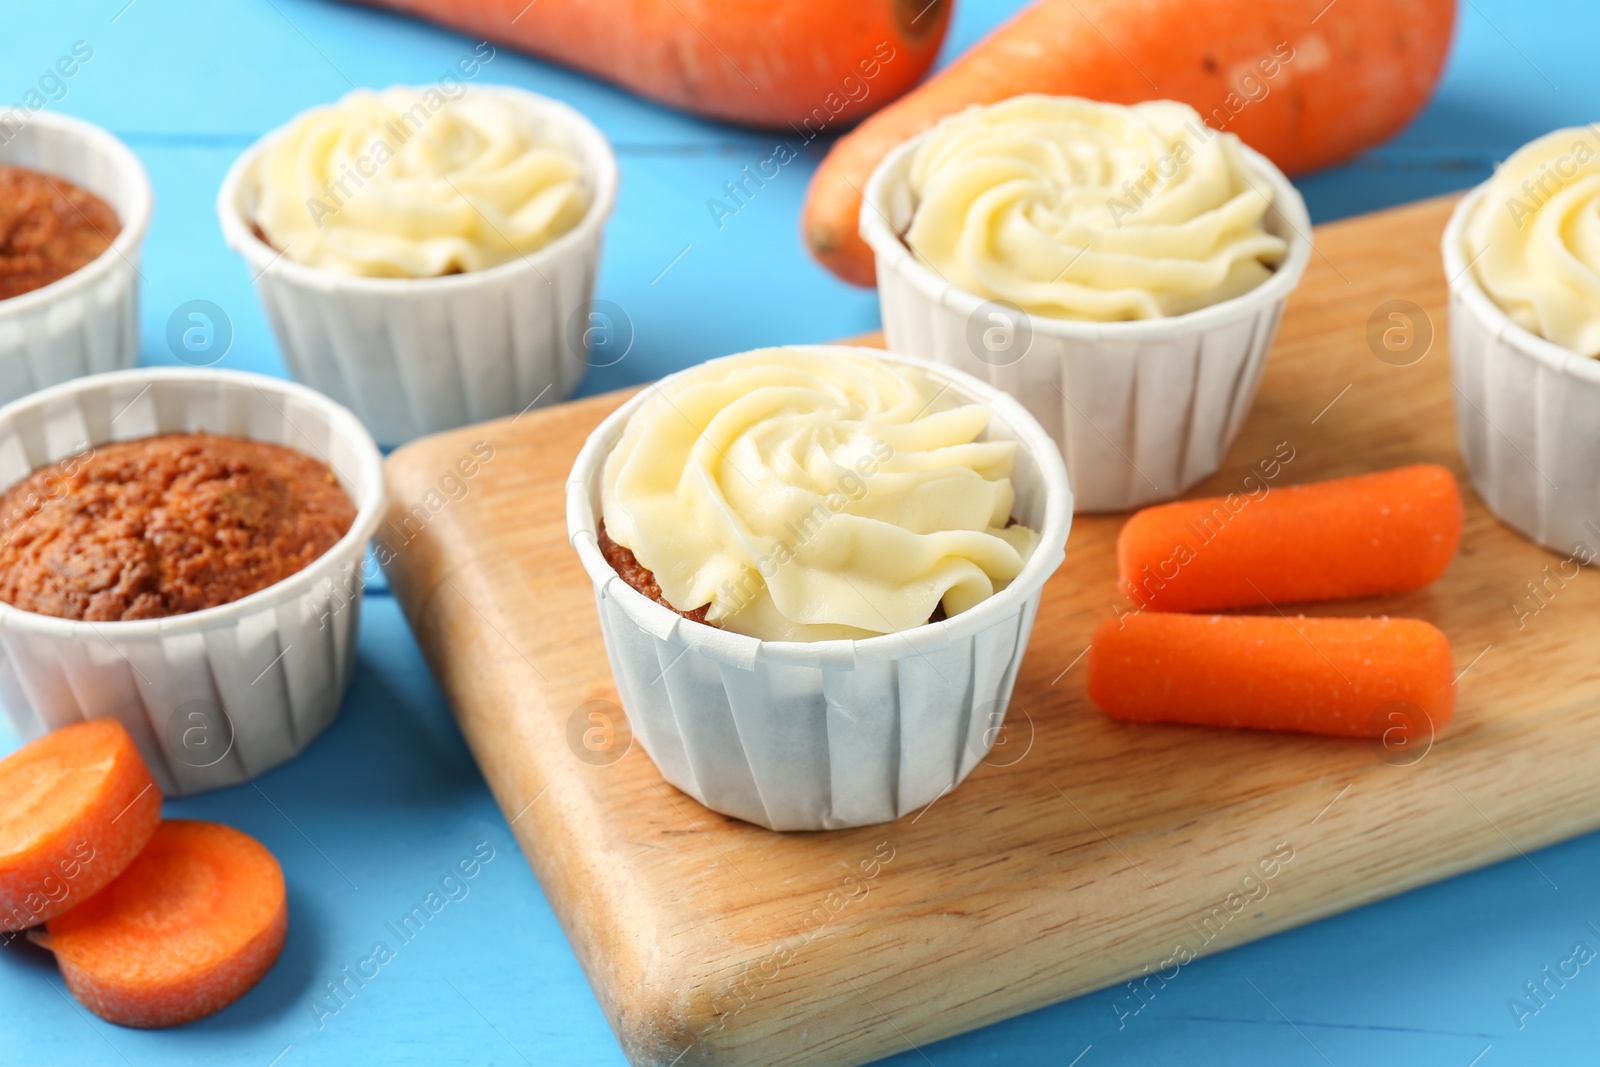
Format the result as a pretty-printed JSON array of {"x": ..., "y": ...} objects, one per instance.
[
  {"x": 1351, "y": 677},
  {"x": 813, "y": 65},
  {"x": 1374, "y": 533},
  {"x": 1305, "y": 82}
]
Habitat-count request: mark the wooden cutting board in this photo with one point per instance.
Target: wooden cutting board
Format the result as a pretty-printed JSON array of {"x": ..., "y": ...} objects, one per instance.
[{"x": 1088, "y": 851}]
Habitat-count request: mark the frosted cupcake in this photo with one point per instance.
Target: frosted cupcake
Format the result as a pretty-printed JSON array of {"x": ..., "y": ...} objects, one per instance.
[
  {"x": 820, "y": 498},
  {"x": 421, "y": 252},
  {"x": 391, "y": 185},
  {"x": 817, "y": 569},
  {"x": 1121, "y": 269},
  {"x": 1522, "y": 253}
]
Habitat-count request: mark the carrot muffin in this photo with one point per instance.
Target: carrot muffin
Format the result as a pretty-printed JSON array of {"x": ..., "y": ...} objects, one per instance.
[
  {"x": 794, "y": 495},
  {"x": 1533, "y": 240},
  {"x": 1076, "y": 209},
  {"x": 165, "y": 526},
  {"x": 49, "y": 228},
  {"x": 409, "y": 183}
]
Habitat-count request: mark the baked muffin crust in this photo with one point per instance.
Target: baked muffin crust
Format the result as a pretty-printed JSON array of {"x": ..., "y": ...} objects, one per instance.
[
  {"x": 49, "y": 228},
  {"x": 165, "y": 526}
]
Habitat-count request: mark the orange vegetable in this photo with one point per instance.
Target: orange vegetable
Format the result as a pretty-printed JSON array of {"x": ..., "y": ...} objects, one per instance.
[
  {"x": 1305, "y": 82},
  {"x": 810, "y": 64},
  {"x": 1352, "y": 677},
  {"x": 186, "y": 930},
  {"x": 76, "y": 806},
  {"x": 1374, "y": 533}
]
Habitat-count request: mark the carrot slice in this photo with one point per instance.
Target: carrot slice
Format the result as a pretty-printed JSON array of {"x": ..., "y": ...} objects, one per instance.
[
  {"x": 188, "y": 929},
  {"x": 1352, "y": 677},
  {"x": 1374, "y": 533},
  {"x": 76, "y": 806}
]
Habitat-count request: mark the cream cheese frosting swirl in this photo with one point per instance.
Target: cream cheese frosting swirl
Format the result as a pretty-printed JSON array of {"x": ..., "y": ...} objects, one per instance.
[
  {"x": 409, "y": 183},
  {"x": 1075, "y": 209},
  {"x": 1533, "y": 238},
  {"x": 808, "y": 496}
]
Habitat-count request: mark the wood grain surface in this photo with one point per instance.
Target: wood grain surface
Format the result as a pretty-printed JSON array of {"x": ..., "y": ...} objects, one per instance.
[{"x": 1088, "y": 852}]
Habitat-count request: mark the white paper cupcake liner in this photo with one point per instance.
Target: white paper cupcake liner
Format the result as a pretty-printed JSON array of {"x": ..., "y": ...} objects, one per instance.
[
  {"x": 415, "y": 356},
  {"x": 87, "y": 322},
  {"x": 214, "y": 697},
  {"x": 831, "y": 734},
  {"x": 1527, "y": 411},
  {"x": 1142, "y": 410}
]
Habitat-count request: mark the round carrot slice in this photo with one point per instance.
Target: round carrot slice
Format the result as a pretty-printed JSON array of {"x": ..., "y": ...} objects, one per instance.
[
  {"x": 76, "y": 806},
  {"x": 188, "y": 928}
]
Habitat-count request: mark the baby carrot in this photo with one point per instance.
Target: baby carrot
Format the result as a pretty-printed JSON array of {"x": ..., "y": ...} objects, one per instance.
[
  {"x": 186, "y": 930},
  {"x": 1374, "y": 533},
  {"x": 1325, "y": 676},
  {"x": 76, "y": 806}
]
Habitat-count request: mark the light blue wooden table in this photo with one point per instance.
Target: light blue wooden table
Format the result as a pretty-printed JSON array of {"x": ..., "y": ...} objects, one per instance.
[{"x": 368, "y": 820}]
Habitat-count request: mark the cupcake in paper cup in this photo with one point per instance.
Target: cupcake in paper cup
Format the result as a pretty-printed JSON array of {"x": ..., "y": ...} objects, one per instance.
[
  {"x": 1119, "y": 269},
  {"x": 1522, "y": 254},
  {"x": 183, "y": 550},
  {"x": 427, "y": 256},
  {"x": 817, "y": 569},
  {"x": 75, "y": 203}
]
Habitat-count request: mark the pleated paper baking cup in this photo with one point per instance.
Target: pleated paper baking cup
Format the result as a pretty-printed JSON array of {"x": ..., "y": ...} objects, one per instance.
[
  {"x": 87, "y": 322},
  {"x": 214, "y": 697},
  {"x": 412, "y": 356},
  {"x": 823, "y": 735},
  {"x": 1142, "y": 410},
  {"x": 1527, "y": 411}
]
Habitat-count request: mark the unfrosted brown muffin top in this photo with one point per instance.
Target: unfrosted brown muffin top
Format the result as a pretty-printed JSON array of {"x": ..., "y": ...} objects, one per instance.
[
  {"x": 165, "y": 526},
  {"x": 49, "y": 228}
]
